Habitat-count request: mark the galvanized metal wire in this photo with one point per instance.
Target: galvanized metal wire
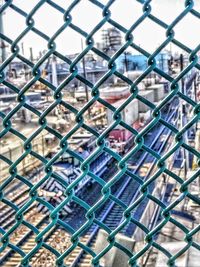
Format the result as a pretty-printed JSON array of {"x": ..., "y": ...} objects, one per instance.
[{"x": 175, "y": 90}]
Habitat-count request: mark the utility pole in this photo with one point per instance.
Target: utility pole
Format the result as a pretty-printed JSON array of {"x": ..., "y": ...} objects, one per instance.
[
  {"x": 85, "y": 76},
  {"x": 22, "y": 46},
  {"x": 2, "y": 43},
  {"x": 26, "y": 74},
  {"x": 125, "y": 61},
  {"x": 183, "y": 117},
  {"x": 54, "y": 71},
  {"x": 162, "y": 61},
  {"x": 195, "y": 98},
  {"x": 31, "y": 54}
]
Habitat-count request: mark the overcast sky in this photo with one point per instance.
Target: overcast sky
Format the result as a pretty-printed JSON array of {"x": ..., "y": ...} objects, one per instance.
[{"x": 86, "y": 15}]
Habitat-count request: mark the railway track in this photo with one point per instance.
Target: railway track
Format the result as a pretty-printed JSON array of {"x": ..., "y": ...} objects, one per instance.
[
  {"x": 111, "y": 214},
  {"x": 148, "y": 259},
  {"x": 27, "y": 240},
  {"x": 19, "y": 238},
  {"x": 18, "y": 195}
]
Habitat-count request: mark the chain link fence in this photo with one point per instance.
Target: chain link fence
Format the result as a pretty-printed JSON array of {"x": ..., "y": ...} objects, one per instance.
[{"x": 132, "y": 183}]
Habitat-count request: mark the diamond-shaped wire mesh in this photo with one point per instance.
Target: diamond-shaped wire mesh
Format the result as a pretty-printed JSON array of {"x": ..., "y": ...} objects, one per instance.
[{"x": 111, "y": 189}]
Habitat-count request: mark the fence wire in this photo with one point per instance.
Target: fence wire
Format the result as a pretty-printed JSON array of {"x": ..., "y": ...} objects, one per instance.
[{"x": 100, "y": 137}]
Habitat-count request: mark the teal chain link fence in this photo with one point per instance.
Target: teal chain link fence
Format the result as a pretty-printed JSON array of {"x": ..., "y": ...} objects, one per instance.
[{"x": 124, "y": 177}]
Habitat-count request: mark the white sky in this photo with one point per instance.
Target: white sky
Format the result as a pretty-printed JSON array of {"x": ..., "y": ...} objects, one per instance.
[{"x": 149, "y": 35}]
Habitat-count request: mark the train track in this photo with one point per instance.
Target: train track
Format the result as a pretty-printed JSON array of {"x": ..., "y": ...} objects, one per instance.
[
  {"x": 149, "y": 258},
  {"x": 111, "y": 214},
  {"x": 27, "y": 240},
  {"x": 18, "y": 194},
  {"x": 20, "y": 235}
]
